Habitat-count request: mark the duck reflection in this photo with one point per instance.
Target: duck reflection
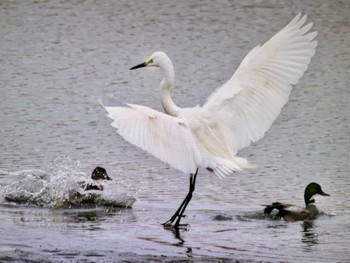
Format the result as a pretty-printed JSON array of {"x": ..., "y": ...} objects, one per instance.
[{"x": 310, "y": 237}]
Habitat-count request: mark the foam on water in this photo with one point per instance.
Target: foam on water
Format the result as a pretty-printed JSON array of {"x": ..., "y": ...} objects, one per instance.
[{"x": 60, "y": 186}]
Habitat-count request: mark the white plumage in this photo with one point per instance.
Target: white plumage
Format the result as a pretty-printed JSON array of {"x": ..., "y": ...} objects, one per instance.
[
  {"x": 256, "y": 93},
  {"x": 236, "y": 114}
]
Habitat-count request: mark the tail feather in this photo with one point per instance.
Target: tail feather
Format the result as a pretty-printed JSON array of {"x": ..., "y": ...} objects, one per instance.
[
  {"x": 224, "y": 167},
  {"x": 268, "y": 208}
]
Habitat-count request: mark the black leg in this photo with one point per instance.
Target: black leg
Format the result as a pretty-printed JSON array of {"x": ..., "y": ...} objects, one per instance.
[
  {"x": 188, "y": 199},
  {"x": 180, "y": 211}
]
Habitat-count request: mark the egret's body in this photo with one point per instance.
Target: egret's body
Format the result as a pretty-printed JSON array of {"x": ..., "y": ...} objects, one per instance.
[{"x": 236, "y": 114}]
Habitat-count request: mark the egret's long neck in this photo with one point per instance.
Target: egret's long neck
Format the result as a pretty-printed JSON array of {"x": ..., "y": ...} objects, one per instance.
[{"x": 165, "y": 88}]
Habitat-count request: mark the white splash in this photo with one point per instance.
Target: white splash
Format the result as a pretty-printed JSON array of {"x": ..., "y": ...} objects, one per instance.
[{"x": 60, "y": 186}]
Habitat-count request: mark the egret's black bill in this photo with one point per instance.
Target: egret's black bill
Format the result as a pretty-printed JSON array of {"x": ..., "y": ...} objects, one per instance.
[{"x": 144, "y": 64}]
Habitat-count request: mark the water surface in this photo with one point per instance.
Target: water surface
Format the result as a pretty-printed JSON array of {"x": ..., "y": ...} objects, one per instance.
[{"x": 58, "y": 58}]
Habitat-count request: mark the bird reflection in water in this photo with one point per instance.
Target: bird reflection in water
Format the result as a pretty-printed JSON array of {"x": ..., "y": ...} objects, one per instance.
[{"x": 310, "y": 237}]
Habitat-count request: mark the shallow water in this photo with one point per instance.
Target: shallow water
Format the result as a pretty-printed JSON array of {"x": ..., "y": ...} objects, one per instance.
[{"x": 58, "y": 58}]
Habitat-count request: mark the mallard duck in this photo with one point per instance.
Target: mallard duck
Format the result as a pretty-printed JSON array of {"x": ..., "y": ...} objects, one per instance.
[{"x": 293, "y": 213}]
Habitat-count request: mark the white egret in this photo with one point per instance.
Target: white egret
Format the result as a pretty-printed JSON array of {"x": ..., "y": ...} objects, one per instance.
[{"x": 236, "y": 114}]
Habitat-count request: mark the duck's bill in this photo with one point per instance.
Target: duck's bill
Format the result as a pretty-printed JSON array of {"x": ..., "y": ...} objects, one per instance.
[
  {"x": 324, "y": 194},
  {"x": 142, "y": 65}
]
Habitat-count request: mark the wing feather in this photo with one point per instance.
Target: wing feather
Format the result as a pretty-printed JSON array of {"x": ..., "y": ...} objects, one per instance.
[
  {"x": 186, "y": 142},
  {"x": 160, "y": 134},
  {"x": 251, "y": 100}
]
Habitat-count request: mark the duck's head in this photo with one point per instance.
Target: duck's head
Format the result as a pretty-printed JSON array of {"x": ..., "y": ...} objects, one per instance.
[{"x": 311, "y": 191}]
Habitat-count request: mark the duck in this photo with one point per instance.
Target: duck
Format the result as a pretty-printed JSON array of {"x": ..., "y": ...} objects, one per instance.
[{"x": 292, "y": 213}]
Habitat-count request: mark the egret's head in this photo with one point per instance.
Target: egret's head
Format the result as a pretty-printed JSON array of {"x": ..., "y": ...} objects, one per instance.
[{"x": 158, "y": 59}]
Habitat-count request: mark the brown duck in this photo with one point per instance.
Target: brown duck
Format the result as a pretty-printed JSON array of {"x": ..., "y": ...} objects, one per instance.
[{"x": 293, "y": 213}]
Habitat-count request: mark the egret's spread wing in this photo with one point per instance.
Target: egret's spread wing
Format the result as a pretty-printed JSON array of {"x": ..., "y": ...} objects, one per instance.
[
  {"x": 251, "y": 100},
  {"x": 167, "y": 138}
]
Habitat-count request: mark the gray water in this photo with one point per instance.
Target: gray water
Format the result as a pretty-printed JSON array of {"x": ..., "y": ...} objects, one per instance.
[{"x": 58, "y": 58}]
